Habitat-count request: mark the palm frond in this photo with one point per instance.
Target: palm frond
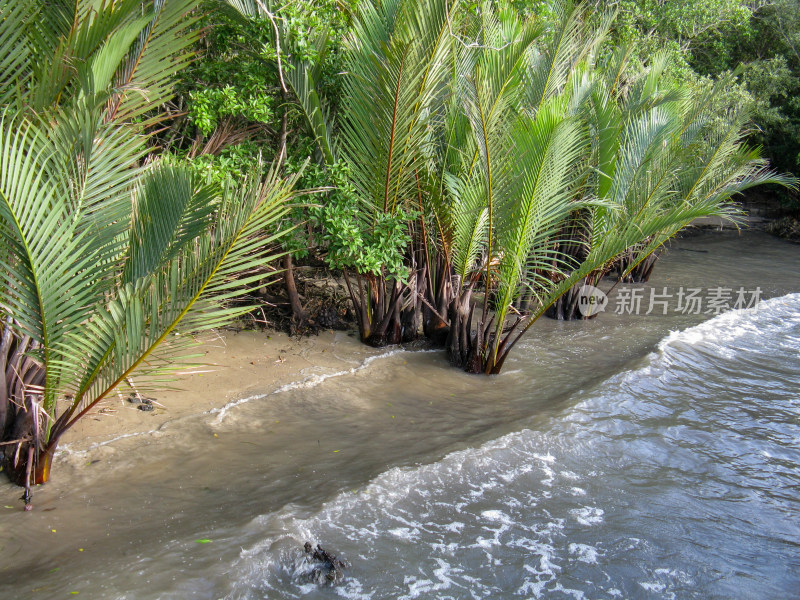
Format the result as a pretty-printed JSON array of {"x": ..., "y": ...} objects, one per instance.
[
  {"x": 571, "y": 43},
  {"x": 52, "y": 275},
  {"x": 393, "y": 72},
  {"x": 171, "y": 210},
  {"x": 190, "y": 293},
  {"x": 162, "y": 50},
  {"x": 15, "y": 50},
  {"x": 550, "y": 146},
  {"x": 470, "y": 223}
]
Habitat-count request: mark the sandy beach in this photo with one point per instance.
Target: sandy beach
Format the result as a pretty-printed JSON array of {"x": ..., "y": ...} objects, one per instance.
[{"x": 237, "y": 364}]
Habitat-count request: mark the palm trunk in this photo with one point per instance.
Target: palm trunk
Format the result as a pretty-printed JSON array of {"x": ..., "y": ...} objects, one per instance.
[
  {"x": 566, "y": 307},
  {"x": 25, "y": 453},
  {"x": 439, "y": 299},
  {"x": 465, "y": 346},
  {"x": 641, "y": 272},
  {"x": 298, "y": 313}
]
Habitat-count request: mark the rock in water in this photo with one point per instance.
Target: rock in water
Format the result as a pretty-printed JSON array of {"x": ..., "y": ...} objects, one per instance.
[{"x": 326, "y": 569}]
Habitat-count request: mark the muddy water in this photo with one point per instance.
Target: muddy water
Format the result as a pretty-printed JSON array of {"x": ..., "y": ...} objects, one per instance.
[{"x": 611, "y": 459}]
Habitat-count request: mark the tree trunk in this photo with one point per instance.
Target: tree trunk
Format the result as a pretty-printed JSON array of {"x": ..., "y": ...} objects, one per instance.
[
  {"x": 298, "y": 313},
  {"x": 16, "y": 463},
  {"x": 464, "y": 347},
  {"x": 21, "y": 436},
  {"x": 434, "y": 327},
  {"x": 641, "y": 272},
  {"x": 566, "y": 307}
]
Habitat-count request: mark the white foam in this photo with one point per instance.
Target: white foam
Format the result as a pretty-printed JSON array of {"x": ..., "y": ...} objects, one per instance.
[
  {"x": 66, "y": 449},
  {"x": 455, "y": 527},
  {"x": 577, "y": 594},
  {"x": 306, "y": 383},
  {"x": 584, "y": 553},
  {"x": 418, "y": 587},
  {"x": 405, "y": 533},
  {"x": 588, "y": 515},
  {"x": 547, "y": 458},
  {"x": 653, "y": 586},
  {"x": 729, "y": 326}
]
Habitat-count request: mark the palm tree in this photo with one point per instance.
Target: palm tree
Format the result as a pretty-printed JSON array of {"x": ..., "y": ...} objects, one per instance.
[
  {"x": 659, "y": 164},
  {"x": 397, "y": 60},
  {"x": 515, "y": 167},
  {"x": 106, "y": 262},
  {"x": 517, "y": 181},
  {"x": 564, "y": 175}
]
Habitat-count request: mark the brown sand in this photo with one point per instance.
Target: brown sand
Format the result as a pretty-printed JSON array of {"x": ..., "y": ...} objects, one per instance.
[{"x": 238, "y": 364}]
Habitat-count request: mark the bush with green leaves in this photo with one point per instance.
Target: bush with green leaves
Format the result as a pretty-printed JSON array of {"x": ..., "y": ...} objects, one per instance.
[{"x": 712, "y": 38}]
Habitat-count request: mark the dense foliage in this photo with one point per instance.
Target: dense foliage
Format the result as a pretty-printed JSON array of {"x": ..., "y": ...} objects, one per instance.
[
  {"x": 483, "y": 154},
  {"x": 708, "y": 38}
]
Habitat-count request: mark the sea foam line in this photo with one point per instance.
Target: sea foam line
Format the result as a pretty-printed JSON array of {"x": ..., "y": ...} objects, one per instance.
[
  {"x": 732, "y": 324},
  {"x": 309, "y": 382},
  {"x": 66, "y": 448}
]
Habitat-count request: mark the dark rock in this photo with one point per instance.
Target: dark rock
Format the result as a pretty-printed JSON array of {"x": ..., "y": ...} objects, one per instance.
[
  {"x": 142, "y": 403},
  {"x": 326, "y": 568}
]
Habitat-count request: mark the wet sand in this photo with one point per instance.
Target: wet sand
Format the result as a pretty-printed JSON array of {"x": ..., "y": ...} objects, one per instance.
[{"x": 236, "y": 365}]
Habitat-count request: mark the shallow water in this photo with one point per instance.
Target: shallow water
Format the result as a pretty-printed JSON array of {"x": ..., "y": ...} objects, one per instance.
[{"x": 611, "y": 459}]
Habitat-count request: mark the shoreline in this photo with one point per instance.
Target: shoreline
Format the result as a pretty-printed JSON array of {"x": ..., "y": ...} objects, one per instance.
[{"x": 238, "y": 366}]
